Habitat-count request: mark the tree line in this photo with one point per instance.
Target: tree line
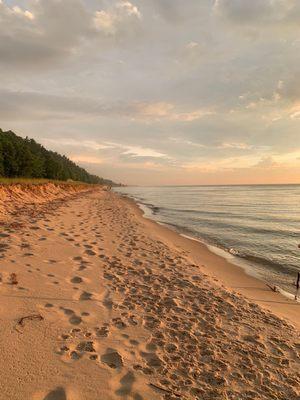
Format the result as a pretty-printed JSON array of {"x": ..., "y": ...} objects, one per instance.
[{"x": 26, "y": 158}]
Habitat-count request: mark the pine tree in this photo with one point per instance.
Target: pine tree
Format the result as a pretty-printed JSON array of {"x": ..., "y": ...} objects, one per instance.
[{"x": 26, "y": 158}]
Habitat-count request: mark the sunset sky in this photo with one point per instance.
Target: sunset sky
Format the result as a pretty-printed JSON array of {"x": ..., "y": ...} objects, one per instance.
[{"x": 157, "y": 91}]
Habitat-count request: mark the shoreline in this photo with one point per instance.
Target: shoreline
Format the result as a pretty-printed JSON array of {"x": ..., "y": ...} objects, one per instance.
[
  {"x": 99, "y": 302},
  {"x": 252, "y": 268},
  {"x": 227, "y": 255},
  {"x": 222, "y": 271}
]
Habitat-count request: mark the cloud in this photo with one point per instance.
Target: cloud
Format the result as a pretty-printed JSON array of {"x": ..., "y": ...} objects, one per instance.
[
  {"x": 241, "y": 11},
  {"x": 240, "y": 146},
  {"x": 129, "y": 9},
  {"x": 82, "y": 159},
  {"x": 95, "y": 152},
  {"x": 55, "y": 30},
  {"x": 289, "y": 88},
  {"x": 267, "y": 162},
  {"x": 14, "y": 12},
  {"x": 33, "y": 105},
  {"x": 18, "y": 11},
  {"x": 41, "y": 35},
  {"x": 271, "y": 13},
  {"x": 158, "y": 86},
  {"x": 111, "y": 21},
  {"x": 137, "y": 151},
  {"x": 192, "y": 45},
  {"x": 89, "y": 144},
  {"x": 167, "y": 111}
]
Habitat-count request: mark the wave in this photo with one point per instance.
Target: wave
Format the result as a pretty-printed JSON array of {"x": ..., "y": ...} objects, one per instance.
[
  {"x": 234, "y": 226},
  {"x": 240, "y": 254},
  {"x": 154, "y": 209},
  {"x": 259, "y": 230},
  {"x": 266, "y": 218},
  {"x": 209, "y": 240},
  {"x": 263, "y": 261}
]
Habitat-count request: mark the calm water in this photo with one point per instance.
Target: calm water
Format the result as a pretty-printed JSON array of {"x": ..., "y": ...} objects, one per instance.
[{"x": 257, "y": 227}]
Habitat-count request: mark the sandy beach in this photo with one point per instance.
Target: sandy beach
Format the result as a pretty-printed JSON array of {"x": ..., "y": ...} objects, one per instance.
[{"x": 98, "y": 302}]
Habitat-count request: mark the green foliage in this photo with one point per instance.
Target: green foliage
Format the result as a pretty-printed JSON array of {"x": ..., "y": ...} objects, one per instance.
[{"x": 26, "y": 158}]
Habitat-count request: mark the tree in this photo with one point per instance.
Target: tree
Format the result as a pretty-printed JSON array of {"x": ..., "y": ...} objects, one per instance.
[{"x": 26, "y": 158}]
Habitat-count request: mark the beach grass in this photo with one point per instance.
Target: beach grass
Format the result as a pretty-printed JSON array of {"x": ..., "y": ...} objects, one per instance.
[{"x": 38, "y": 181}]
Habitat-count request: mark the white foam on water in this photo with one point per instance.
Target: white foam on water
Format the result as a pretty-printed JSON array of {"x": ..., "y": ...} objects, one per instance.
[
  {"x": 231, "y": 255},
  {"x": 246, "y": 266}
]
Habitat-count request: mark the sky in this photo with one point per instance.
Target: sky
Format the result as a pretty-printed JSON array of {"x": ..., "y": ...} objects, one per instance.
[{"x": 157, "y": 92}]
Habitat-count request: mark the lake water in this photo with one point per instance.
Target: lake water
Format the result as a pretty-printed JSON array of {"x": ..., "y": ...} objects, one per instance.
[{"x": 256, "y": 227}]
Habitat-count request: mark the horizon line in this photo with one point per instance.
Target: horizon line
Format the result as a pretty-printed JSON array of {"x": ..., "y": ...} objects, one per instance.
[{"x": 227, "y": 184}]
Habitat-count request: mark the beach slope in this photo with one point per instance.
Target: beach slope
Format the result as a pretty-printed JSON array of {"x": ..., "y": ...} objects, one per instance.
[{"x": 99, "y": 303}]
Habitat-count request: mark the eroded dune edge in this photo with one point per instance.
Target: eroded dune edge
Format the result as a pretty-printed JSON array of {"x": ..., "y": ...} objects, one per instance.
[
  {"x": 114, "y": 311},
  {"x": 25, "y": 198}
]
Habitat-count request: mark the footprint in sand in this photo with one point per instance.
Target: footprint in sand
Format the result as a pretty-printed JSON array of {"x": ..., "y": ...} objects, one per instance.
[
  {"x": 112, "y": 358},
  {"x": 28, "y": 255},
  {"x": 126, "y": 383},
  {"x": 85, "y": 314},
  {"x": 152, "y": 360},
  {"x": 56, "y": 394},
  {"x": 107, "y": 302},
  {"x": 76, "y": 279},
  {"x": 67, "y": 311},
  {"x": 119, "y": 323},
  {"x": 75, "y": 320},
  {"x": 85, "y": 296},
  {"x": 102, "y": 332},
  {"x": 90, "y": 252},
  {"x": 86, "y": 347}
]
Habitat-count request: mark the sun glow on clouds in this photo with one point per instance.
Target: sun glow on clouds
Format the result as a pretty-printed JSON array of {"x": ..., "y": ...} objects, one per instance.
[
  {"x": 108, "y": 20},
  {"x": 129, "y": 8},
  {"x": 135, "y": 151},
  {"x": 142, "y": 152},
  {"x": 79, "y": 158},
  {"x": 157, "y": 88},
  {"x": 16, "y": 10},
  {"x": 295, "y": 111},
  {"x": 96, "y": 153},
  {"x": 105, "y": 21},
  {"x": 162, "y": 110},
  {"x": 25, "y": 13},
  {"x": 90, "y": 144}
]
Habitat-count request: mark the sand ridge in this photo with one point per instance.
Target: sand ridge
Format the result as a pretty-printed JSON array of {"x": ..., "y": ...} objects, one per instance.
[
  {"x": 127, "y": 316},
  {"x": 25, "y": 198}
]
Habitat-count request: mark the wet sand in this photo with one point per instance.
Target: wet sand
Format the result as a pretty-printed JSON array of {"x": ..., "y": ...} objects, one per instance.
[
  {"x": 120, "y": 307},
  {"x": 226, "y": 274}
]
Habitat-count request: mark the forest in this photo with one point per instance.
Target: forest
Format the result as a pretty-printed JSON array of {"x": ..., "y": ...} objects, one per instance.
[{"x": 26, "y": 158}]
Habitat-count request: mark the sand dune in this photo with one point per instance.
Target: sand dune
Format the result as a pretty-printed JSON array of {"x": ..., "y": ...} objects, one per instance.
[
  {"x": 19, "y": 197},
  {"x": 116, "y": 311}
]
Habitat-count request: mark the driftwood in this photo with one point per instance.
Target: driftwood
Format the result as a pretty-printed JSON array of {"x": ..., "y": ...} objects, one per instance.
[
  {"x": 21, "y": 321},
  {"x": 163, "y": 389},
  {"x": 273, "y": 288}
]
